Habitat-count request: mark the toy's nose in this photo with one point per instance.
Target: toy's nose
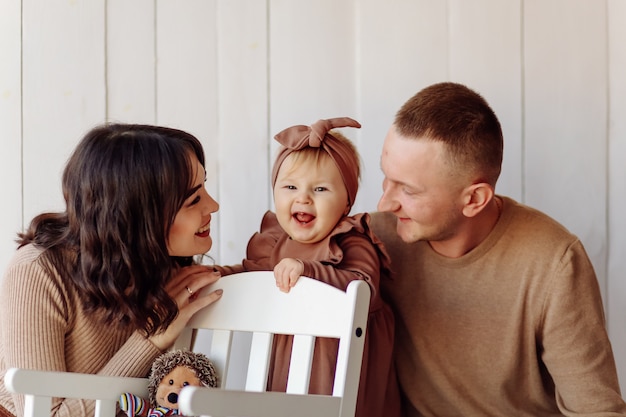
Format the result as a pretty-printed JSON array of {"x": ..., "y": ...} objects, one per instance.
[{"x": 172, "y": 397}]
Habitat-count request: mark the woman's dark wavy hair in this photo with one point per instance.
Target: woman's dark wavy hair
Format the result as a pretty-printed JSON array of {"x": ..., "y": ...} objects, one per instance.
[{"x": 123, "y": 187}]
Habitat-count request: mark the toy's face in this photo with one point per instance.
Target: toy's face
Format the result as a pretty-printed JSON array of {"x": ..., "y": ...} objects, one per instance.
[{"x": 170, "y": 386}]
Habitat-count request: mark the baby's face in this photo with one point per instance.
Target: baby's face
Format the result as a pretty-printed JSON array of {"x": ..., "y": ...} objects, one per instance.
[
  {"x": 310, "y": 198},
  {"x": 170, "y": 386}
]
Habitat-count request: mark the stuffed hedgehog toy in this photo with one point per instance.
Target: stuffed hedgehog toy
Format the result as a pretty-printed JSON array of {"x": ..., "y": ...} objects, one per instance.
[{"x": 170, "y": 373}]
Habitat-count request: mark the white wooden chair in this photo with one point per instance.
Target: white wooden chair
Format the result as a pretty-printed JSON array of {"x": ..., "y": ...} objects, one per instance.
[{"x": 251, "y": 303}]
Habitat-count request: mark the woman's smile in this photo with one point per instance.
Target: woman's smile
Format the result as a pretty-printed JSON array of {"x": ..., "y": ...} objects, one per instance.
[{"x": 205, "y": 230}]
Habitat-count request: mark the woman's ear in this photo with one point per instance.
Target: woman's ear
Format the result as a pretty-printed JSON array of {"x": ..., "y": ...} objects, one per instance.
[{"x": 476, "y": 198}]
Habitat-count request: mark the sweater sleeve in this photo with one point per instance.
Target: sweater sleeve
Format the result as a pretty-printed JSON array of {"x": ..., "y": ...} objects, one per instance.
[
  {"x": 576, "y": 347},
  {"x": 37, "y": 314}
]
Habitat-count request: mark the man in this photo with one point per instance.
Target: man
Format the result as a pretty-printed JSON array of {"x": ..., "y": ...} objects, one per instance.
[{"x": 498, "y": 309}]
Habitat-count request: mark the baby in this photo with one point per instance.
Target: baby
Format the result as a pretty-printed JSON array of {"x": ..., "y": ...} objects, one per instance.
[{"x": 315, "y": 180}]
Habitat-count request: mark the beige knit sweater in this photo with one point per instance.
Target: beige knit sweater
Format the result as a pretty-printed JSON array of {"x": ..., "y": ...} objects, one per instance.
[
  {"x": 513, "y": 328},
  {"x": 42, "y": 326}
]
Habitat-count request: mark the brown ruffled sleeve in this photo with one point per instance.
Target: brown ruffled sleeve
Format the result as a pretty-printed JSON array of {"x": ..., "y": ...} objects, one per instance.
[{"x": 262, "y": 244}]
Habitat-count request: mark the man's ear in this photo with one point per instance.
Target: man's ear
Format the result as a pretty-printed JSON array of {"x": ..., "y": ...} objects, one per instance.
[{"x": 476, "y": 197}]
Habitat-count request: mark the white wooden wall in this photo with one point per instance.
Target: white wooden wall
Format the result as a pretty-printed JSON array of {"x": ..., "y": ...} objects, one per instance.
[{"x": 235, "y": 72}]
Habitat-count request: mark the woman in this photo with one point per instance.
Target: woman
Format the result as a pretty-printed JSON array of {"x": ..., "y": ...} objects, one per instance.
[{"x": 109, "y": 284}]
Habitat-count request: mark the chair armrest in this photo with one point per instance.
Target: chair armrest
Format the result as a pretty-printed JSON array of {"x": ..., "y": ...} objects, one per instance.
[
  {"x": 72, "y": 384},
  {"x": 217, "y": 402}
]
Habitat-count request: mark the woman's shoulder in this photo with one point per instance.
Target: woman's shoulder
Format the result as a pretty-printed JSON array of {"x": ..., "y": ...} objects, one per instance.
[
  {"x": 29, "y": 261},
  {"x": 27, "y": 254}
]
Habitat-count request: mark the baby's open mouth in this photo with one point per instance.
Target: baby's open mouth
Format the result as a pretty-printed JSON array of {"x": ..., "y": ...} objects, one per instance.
[{"x": 303, "y": 218}]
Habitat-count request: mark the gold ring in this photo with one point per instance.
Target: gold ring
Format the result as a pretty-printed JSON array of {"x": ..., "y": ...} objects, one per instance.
[{"x": 189, "y": 291}]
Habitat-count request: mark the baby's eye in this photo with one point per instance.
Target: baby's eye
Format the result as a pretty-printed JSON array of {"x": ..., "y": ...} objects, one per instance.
[
  {"x": 290, "y": 187},
  {"x": 321, "y": 189},
  {"x": 171, "y": 382}
]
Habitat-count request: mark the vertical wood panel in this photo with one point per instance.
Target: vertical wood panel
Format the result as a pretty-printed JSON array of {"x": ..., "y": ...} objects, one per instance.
[
  {"x": 617, "y": 184},
  {"x": 402, "y": 48},
  {"x": 131, "y": 61},
  {"x": 10, "y": 128},
  {"x": 312, "y": 62},
  {"x": 186, "y": 82},
  {"x": 243, "y": 149},
  {"x": 566, "y": 118},
  {"x": 485, "y": 54},
  {"x": 63, "y": 91}
]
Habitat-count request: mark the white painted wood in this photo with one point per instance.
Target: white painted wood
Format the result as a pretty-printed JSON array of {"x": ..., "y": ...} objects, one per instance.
[
  {"x": 311, "y": 308},
  {"x": 616, "y": 243},
  {"x": 186, "y": 81},
  {"x": 565, "y": 106},
  {"x": 485, "y": 54},
  {"x": 10, "y": 128},
  {"x": 258, "y": 364},
  {"x": 63, "y": 91},
  {"x": 401, "y": 48},
  {"x": 131, "y": 61},
  {"x": 40, "y": 386},
  {"x": 300, "y": 364},
  {"x": 242, "y": 149}
]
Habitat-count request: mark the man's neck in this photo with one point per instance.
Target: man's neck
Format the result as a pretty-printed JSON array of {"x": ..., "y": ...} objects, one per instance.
[{"x": 472, "y": 233}]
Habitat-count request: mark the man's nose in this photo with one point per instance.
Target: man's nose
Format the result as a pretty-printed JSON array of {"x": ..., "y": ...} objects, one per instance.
[{"x": 387, "y": 201}]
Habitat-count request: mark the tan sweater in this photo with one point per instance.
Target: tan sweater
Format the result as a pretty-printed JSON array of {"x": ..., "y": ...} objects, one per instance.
[
  {"x": 513, "y": 328},
  {"x": 42, "y": 326}
]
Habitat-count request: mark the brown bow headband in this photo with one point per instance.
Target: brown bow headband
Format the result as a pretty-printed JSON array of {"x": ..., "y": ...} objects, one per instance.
[{"x": 299, "y": 137}]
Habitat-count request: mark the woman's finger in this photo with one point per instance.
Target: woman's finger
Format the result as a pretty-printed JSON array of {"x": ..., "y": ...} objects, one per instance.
[{"x": 189, "y": 283}]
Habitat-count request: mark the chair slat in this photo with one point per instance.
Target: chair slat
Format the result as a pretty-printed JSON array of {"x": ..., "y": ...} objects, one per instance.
[
  {"x": 300, "y": 364},
  {"x": 258, "y": 363},
  {"x": 221, "y": 344}
]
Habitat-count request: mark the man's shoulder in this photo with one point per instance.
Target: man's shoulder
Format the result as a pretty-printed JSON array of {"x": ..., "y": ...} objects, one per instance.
[{"x": 534, "y": 221}]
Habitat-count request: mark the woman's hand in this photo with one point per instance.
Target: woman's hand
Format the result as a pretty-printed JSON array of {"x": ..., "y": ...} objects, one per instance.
[
  {"x": 287, "y": 272},
  {"x": 185, "y": 288}
]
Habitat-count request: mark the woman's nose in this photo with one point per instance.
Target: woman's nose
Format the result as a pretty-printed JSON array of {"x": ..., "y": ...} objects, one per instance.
[{"x": 212, "y": 206}]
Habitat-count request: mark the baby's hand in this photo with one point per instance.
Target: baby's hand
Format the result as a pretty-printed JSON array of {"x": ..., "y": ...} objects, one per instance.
[{"x": 287, "y": 272}]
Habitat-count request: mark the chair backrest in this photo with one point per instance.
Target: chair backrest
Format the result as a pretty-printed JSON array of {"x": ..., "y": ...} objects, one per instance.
[{"x": 251, "y": 303}]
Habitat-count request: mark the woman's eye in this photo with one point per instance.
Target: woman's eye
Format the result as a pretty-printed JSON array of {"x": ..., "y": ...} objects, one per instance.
[{"x": 196, "y": 200}]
